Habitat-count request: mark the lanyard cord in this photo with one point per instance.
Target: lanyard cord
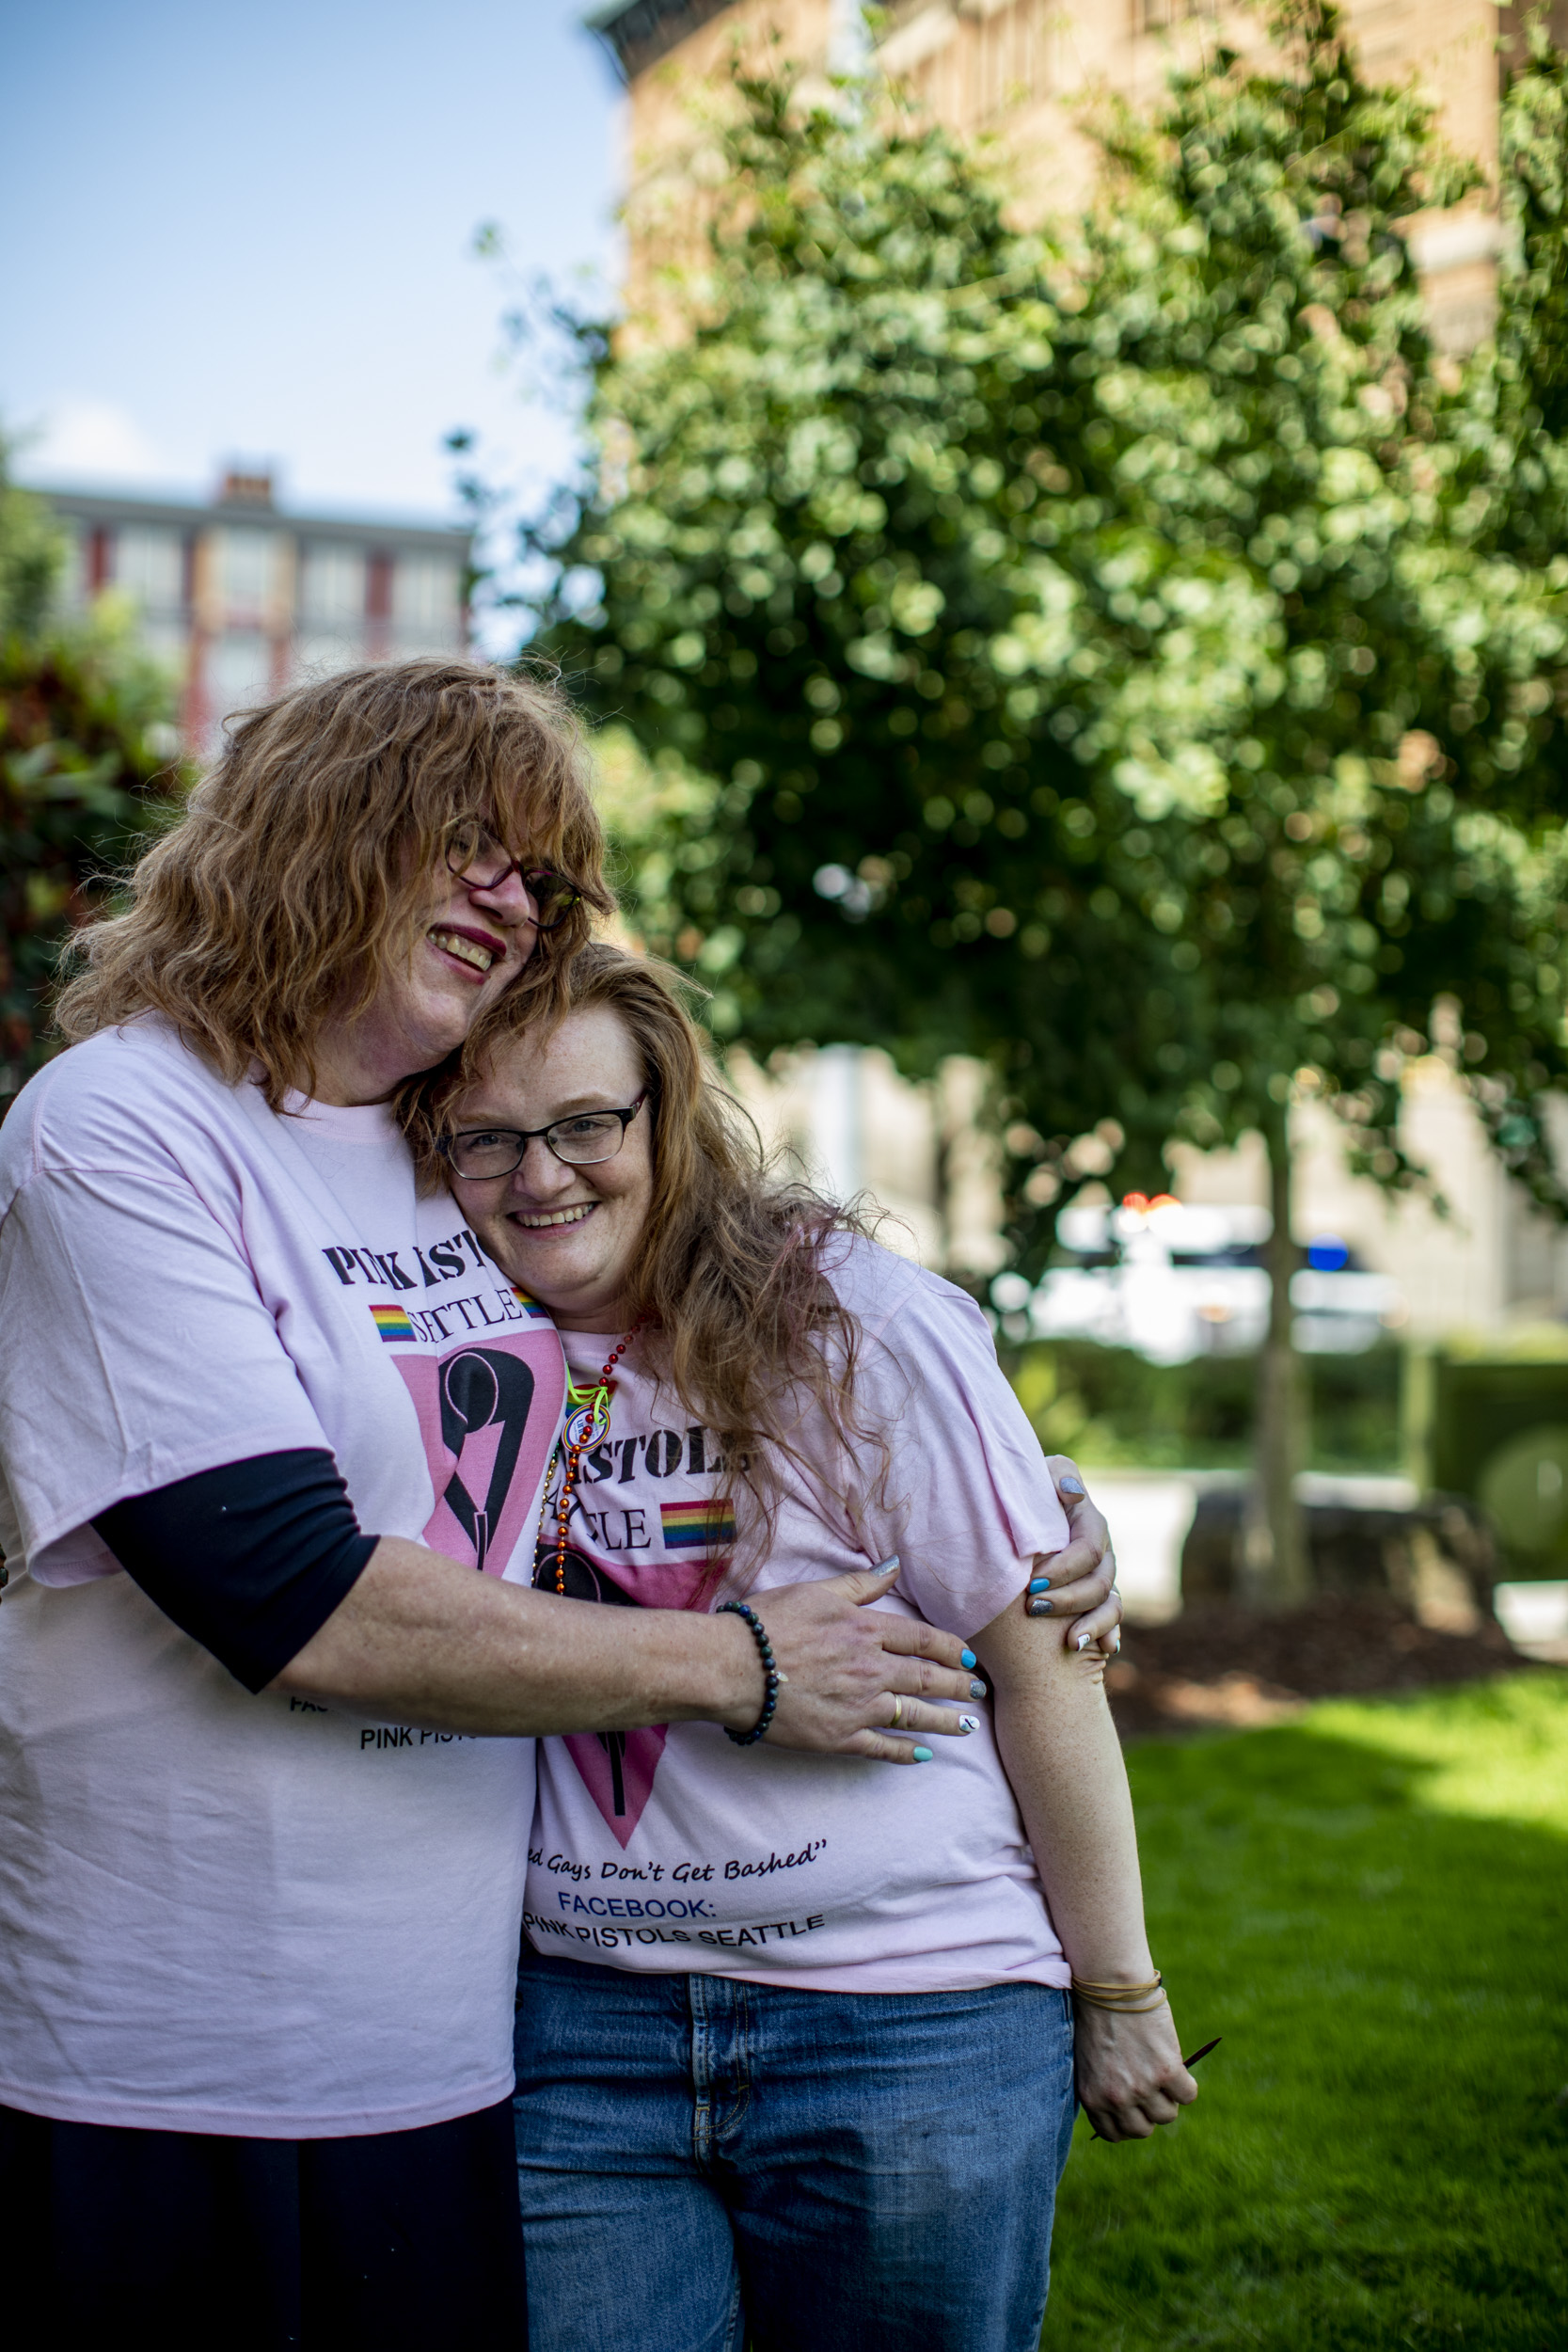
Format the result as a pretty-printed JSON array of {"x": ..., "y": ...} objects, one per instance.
[{"x": 587, "y": 1421}]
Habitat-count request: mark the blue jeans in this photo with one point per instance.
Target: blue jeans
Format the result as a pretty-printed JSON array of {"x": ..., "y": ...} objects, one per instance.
[{"x": 704, "y": 2162}]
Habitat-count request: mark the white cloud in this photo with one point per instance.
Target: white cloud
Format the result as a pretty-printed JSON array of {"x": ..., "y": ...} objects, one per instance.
[{"x": 97, "y": 438}]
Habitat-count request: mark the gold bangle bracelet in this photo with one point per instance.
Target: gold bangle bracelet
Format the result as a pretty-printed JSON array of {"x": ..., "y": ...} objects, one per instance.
[{"x": 1126, "y": 2000}]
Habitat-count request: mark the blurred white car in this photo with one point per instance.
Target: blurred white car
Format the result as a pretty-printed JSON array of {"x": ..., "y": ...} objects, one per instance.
[{"x": 1174, "y": 1281}]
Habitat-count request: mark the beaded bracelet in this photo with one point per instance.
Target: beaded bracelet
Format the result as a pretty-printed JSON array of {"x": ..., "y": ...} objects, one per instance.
[{"x": 770, "y": 1671}]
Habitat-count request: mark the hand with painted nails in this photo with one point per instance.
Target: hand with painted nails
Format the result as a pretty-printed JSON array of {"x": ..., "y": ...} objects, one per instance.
[
  {"x": 857, "y": 1680},
  {"x": 1077, "y": 1584}
]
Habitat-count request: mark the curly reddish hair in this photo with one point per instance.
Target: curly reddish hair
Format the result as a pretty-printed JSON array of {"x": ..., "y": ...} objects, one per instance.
[{"x": 294, "y": 876}]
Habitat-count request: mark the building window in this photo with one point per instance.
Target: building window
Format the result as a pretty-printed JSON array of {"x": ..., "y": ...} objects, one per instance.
[
  {"x": 248, "y": 571},
  {"x": 166, "y": 640},
  {"x": 425, "y": 606},
  {"x": 148, "y": 566},
  {"x": 332, "y": 585},
  {"x": 239, "y": 671}
]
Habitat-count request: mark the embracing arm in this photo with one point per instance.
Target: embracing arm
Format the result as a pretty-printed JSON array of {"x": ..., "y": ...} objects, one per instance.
[
  {"x": 420, "y": 1638},
  {"x": 1060, "y": 1751},
  {"x": 264, "y": 1563},
  {"x": 1077, "y": 1585},
  {"x": 426, "y": 1641}
]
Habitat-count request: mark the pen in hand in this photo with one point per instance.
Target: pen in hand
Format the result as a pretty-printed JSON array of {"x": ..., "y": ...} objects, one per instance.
[{"x": 1189, "y": 2064}]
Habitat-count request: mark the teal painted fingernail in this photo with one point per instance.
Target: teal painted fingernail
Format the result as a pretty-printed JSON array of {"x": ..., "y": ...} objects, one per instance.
[
  {"x": 1040, "y": 1585},
  {"x": 1040, "y": 1608},
  {"x": 976, "y": 1690},
  {"x": 969, "y": 1723},
  {"x": 967, "y": 1657},
  {"x": 921, "y": 1756}
]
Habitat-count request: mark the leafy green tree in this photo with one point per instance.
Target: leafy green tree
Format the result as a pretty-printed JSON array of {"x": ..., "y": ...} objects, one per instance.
[
  {"x": 30, "y": 556},
  {"x": 1072, "y": 654},
  {"x": 1520, "y": 391},
  {"x": 1507, "y": 445},
  {"x": 89, "y": 760},
  {"x": 1263, "y": 388},
  {"x": 806, "y": 542}
]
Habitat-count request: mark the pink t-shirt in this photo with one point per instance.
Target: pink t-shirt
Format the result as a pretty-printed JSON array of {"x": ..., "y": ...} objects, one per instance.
[
  {"x": 672, "y": 1848},
  {"x": 223, "y": 1912}
]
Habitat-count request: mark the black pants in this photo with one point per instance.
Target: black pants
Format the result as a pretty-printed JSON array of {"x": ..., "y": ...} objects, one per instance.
[{"x": 185, "y": 2240}]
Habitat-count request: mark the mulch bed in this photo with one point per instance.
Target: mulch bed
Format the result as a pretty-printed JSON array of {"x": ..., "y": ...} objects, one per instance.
[{"x": 1218, "y": 1664}]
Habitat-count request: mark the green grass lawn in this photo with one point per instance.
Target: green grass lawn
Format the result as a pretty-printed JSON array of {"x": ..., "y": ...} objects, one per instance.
[{"x": 1370, "y": 1903}]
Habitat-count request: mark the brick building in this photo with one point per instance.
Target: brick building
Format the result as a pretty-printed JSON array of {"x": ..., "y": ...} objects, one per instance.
[
  {"x": 238, "y": 597},
  {"x": 1018, "y": 70}
]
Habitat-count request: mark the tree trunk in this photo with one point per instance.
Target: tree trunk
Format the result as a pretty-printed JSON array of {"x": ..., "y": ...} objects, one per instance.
[{"x": 1275, "y": 1568}]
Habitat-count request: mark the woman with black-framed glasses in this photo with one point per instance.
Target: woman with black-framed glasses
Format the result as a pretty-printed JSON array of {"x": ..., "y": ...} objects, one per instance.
[
  {"x": 582, "y": 1140},
  {"x": 795, "y": 2043}
]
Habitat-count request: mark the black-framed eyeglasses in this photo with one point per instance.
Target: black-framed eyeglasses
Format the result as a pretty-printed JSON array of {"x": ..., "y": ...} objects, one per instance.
[
  {"x": 583, "y": 1142},
  {"x": 477, "y": 858}
]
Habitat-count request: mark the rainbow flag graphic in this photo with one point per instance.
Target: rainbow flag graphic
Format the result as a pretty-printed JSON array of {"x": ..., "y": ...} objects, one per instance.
[
  {"x": 697, "y": 1526},
  {"x": 530, "y": 1306},
  {"x": 392, "y": 1323}
]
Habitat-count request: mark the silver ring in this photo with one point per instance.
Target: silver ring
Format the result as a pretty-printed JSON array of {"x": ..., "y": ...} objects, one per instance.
[{"x": 898, "y": 1713}]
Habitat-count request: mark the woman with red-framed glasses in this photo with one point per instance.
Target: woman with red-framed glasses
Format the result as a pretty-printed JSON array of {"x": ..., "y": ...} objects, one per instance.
[
  {"x": 274, "y": 1435},
  {"x": 481, "y": 862}
]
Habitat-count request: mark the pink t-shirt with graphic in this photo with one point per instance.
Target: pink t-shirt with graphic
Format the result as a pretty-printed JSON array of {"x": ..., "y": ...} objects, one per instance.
[
  {"x": 220, "y": 1911},
  {"x": 673, "y": 1848}
]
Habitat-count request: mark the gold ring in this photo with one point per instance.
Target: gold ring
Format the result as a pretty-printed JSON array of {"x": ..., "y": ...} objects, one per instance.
[{"x": 898, "y": 1713}]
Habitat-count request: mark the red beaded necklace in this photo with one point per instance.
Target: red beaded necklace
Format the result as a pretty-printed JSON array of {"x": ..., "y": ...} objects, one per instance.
[{"x": 587, "y": 1421}]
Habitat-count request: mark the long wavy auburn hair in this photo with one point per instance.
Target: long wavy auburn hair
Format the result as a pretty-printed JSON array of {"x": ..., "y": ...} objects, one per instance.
[
  {"x": 297, "y": 875},
  {"x": 742, "y": 1324}
]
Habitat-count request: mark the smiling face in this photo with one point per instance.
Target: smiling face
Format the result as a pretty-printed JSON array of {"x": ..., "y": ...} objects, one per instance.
[
  {"x": 472, "y": 945},
  {"x": 469, "y": 946},
  {"x": 569, "y": 1235}
]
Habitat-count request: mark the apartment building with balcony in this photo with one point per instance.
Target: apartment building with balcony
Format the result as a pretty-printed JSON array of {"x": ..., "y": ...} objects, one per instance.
[{"x": 240, "y": 596}]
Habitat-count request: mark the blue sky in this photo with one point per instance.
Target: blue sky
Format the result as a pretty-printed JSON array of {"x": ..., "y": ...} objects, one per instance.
[{"x": 236, "y": 231}]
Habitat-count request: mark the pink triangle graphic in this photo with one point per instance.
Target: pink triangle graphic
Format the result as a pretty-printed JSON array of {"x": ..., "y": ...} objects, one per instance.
[{"x": 617, "y": 1768}]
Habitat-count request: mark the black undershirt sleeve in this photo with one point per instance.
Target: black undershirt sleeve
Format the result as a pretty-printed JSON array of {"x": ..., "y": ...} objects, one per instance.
[{"x": 249, "y": 1560}]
